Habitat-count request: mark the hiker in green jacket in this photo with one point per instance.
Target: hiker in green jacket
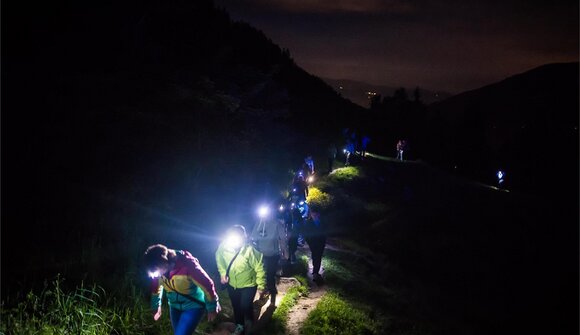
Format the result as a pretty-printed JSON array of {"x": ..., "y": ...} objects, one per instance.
[{"x": 241, "y": 267}]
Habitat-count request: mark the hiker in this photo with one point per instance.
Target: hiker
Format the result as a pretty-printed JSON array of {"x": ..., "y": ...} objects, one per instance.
[
  {"x": 401, "y": 146},
  {"x": 309, "y": 164},
  {"x": 348, "y": 151},
  {"x": 299, "y": 186},
  {"x": 364, "y": 142},
  {"x": 331, "y": 155},
  {"x": 188, "y": 288},
  {"x": 241, "y": 267},
  {"x": 316, "y": 239},
  {"x": 268, "y": 236}
]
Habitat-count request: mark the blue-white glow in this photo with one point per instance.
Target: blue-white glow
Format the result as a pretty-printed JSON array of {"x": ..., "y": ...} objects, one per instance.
[
  {"x": 263, "y": 211},
  {"x": 233, "y": 241}
]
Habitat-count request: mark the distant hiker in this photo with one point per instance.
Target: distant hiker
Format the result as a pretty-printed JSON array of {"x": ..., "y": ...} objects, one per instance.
[
  {"x": 188, "y": 288},
  {"x": 299, "y": 186},
  {"x": 364, "y": 142},
  {"x": 298, "y": 213},
  {"x": 401, "y": 147},
  {"x": 331, "y": 155},
  {"x": 241, "y": 267},
  {"x": 309, "y": 164},
  {"x": 348, "y": 151},
  {"x": 316, "y": 239},
  {"x": 268, "y": 236}
]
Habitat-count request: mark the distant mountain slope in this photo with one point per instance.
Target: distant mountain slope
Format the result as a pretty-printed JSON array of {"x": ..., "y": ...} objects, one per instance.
[
  {"x": 357, "y": 91},
  {"x": 526, "y": 124}
]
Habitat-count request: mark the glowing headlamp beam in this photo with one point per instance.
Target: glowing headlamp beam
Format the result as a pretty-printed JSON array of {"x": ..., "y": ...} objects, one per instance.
[
  {"x": 263, "y": 211},
  {"x": 233, "y": 241}
]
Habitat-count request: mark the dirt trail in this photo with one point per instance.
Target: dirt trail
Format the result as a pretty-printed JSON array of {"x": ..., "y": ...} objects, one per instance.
[{"x": 303, "y": 307}]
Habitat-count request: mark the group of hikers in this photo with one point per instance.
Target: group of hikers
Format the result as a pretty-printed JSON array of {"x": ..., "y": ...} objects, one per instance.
[{"x": 247, "y": 263}]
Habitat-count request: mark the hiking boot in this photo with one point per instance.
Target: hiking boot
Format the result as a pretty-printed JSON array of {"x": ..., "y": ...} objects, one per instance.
[
  {"x": 317, "y": 278},
  {"x": 239, "y": 330}
]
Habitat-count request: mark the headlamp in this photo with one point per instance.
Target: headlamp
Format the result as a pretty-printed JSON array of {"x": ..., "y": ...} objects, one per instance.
[
  {"x": 153, "y": 274},
  {"x": 263, "y": 211},
  {"x": 233, "y": 241},
  {"x": 281, "y": 208}
]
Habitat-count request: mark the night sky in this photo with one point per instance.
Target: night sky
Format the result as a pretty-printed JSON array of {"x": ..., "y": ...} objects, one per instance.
[{"x": 438, "y": 45}]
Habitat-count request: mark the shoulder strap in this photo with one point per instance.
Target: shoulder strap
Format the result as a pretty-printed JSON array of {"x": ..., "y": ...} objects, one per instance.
[{"x": 232, "y": 262}]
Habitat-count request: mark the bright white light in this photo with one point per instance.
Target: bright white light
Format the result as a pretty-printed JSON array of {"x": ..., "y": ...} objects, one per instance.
[
  {"x": 263, "y": 211},
  {"x": 154, "y": 274},
  {"x": 233, "y": 241},
  {"x": 311, "y": 179},
  {"x": 301, "y": 203},
  {"x": 281, "y": 208},
  {"x": 294, "y": 190},
  {"x": 344, "y": 151},
  {"x": 500, "y": 174}
]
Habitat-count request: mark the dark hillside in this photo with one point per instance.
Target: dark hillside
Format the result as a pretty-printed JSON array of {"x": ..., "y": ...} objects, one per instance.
[
  {"x": 462, "y": 257},
  {"x": 526, "y": 125},
  {"x": 126, "y": 122}
]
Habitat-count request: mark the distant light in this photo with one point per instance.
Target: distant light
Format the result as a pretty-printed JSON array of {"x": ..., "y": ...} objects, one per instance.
[
  {"x": 301, "y": 203},
  {"x": 500, "y": 174},
  {"x": 263, "y": 211},
  {"x": 344, "y": 151},
  {"x": 154, "y": 274},
  {"x": 281, "y": 208},
  {"x": 294, "y": 190}
]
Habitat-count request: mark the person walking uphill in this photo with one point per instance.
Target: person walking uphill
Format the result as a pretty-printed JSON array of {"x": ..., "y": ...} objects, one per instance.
[
  {"x": 189, "y": 288},
  {"x": 269, "y": 237},
  {"x": 241, "y": 267},
  {"x": 316, "y": 238}
]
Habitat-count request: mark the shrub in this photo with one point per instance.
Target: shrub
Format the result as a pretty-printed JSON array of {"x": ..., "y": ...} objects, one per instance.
[{"x": 319, "y": 198}]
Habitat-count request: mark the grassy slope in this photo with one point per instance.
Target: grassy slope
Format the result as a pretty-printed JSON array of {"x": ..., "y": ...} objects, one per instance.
[{"x": 443, "y": 255}]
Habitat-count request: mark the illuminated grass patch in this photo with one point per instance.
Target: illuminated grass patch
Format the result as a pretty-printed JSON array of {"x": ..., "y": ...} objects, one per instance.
[
  {"x": 334, "y": 315},
  {"x": 319, "y": 198},
  {"x": 346, "y": 174}
]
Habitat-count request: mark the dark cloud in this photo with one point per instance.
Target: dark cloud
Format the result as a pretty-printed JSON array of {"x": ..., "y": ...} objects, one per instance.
[{"x": 446, "y": 45}]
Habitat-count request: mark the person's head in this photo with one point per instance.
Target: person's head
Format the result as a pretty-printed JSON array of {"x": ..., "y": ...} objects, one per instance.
[
  {"x": 156, "y": 259},
  {"x": 235, "y": 236}
]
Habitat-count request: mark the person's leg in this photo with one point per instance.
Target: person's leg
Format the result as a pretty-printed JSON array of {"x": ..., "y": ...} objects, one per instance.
[
  {"x": 174, "y": 315},
  {"x": 236, "y": 298},
  {"x": 271, "y": 266},
  {"x": 247, "y": 306},
  {"x": 188, "y": 321},
  {"x": 317, "y": 249}
]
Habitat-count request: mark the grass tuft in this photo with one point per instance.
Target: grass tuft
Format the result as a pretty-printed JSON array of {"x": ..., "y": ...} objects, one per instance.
[
  {"x": 333, "y": 315},
  {"x": 346, "y": 174},
  {"x": 319, "y": 198}
]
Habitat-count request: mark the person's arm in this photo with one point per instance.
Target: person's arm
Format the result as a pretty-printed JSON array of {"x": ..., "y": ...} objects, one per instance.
[
  {"x": 257, "y": 262},
  {"x": 156, "y": 298},
  {"x": 281, "y": 237},
  {"x": 203, "y": 281}
]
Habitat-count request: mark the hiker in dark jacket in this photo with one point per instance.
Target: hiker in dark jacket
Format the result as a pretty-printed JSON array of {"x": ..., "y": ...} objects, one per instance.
[{"x": 316, "y": 238}]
